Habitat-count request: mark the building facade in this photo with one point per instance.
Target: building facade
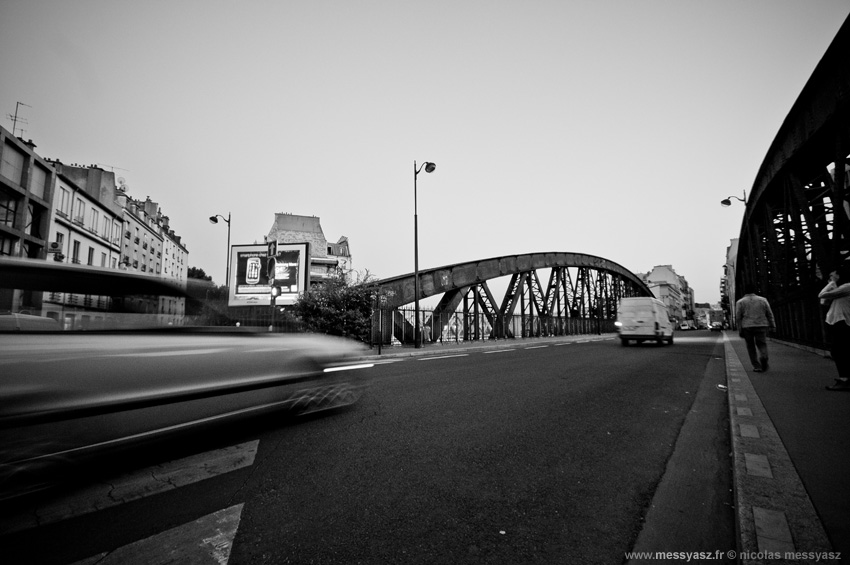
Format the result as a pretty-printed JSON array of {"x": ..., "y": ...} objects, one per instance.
[
  {"x": 78, "y": 214},
  {"x": 673, "y": 290},
  {"x": 326, "y": 259},
  {"x": 26, "y": 193}
]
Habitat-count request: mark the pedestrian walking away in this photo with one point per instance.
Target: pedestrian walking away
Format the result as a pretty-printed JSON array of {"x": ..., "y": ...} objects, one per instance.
[
  {"x": 755, "y": 320},
  {"x": 837, "y": 294}
]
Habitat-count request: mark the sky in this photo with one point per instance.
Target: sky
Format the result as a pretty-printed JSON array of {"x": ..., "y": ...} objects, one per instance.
[{"x": 606, "y": 127}]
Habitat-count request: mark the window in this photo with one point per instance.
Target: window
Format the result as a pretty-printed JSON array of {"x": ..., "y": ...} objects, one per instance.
[
  {"x": 75, "y": 254},
  {"x": 12, "y": 163},
  {"x": 38, "y": 186},
  {"x": 94, "y": 219},
  {"x": 6, "y": 245},
  {"x": 91, "y": 256},
  {"x": 103, "y": 259},
  {"x": 79, "y": 211},
  {"x": 8, "y": 207},
  {"x": 64, "y": 201},
  {"x": 104, "y": 230}
]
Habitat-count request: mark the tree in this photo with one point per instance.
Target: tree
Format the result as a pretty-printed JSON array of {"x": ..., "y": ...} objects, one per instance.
[
  {"x": 206, "y": 303},
  {"x": 338, "y": 307},
  {"x": 198, "y": 273}
]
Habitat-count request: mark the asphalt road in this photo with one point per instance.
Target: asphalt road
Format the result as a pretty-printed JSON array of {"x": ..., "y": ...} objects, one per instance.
[{"x": 533, "y": 453}]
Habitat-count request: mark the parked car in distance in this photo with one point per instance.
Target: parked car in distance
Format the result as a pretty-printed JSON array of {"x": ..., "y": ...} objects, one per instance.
[
  {"x": 684, "y": 326},
  {"x": 643, "y": 318},
  {"x": 716, "y": 326}
]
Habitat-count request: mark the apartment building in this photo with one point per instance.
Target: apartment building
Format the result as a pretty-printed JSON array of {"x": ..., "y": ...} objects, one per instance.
[
  {"x": 325, "y": 258},
  {"x": 79, "y": 214},
  {"x": 26, "y": 193},
  {"x": 672, "y": 289}
]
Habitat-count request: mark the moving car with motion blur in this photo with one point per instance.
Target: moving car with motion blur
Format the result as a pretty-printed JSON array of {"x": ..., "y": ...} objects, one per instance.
[{"x": 69, "y": 396}]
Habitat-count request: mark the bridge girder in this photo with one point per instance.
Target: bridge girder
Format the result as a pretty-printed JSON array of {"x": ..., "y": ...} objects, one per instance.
[
  {"x": 442, "y": 280},
  {"x": 580, "y": 286},
  {"x": 796, "y": 226}
]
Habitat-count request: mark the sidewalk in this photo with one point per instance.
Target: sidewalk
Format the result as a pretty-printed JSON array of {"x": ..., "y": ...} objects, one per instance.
[{"x": 791, "y": 441}]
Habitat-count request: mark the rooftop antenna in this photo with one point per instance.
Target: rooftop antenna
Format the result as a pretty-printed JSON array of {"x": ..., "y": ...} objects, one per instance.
[
  {"x": 112, "y": 167},
  {"x": 15, "y": 119}
]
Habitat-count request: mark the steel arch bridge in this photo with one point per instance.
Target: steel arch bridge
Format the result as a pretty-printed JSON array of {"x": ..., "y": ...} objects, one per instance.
[
  {"x": 796, "y": 226},
  {"x": 581, "y": 296}
]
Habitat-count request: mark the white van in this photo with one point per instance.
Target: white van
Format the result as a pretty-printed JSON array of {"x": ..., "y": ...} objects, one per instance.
[{"x": 642, "y": 319}]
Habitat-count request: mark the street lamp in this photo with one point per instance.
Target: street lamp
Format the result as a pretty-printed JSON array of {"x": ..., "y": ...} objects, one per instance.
[
  {"x": 214, "y": 220},
  {"x": 429, "y": 168},
  {"x": 727, "y": 202}
]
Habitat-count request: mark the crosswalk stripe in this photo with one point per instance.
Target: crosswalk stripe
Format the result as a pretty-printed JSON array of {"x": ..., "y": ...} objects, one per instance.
[
  {"x": 207, "y": 540},
  {"x": 136, "y": 485}
]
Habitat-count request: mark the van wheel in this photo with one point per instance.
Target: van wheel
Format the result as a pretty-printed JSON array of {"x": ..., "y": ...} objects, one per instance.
[
  {"x": 624, "y": 341},
  {"x": 670, "y": 340}
]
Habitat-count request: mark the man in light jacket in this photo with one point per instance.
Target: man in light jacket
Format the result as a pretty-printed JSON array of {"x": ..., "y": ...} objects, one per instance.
[{"x": 755, "y": 319}]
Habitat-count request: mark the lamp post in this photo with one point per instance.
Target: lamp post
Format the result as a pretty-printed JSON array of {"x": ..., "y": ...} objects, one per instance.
[
  {"x": 214, "y": 220},
  {"x": 726, "y": 202},
  {"x": 417, "y": 336}
]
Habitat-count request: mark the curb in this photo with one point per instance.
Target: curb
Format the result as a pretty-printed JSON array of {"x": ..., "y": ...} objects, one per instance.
[{"x": 774, "y": 513}]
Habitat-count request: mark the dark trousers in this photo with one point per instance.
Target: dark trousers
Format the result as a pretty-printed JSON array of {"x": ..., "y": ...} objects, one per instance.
[
  {"x": 840, "y": 349},
  {"x": 756, "y": 339}
]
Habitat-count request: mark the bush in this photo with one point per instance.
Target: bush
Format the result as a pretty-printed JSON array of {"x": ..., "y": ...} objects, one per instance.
[{"x": 338, "y": 307}]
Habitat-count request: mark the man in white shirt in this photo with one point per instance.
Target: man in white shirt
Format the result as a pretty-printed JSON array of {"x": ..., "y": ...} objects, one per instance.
[{"x": 837, "y": 294}]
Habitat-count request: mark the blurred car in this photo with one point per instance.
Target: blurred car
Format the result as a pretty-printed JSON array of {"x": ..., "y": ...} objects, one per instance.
[
  {"x": 684, "y": 326},
  {"x": 69, "y": 396},
  {"x": 716, "y": 326}
]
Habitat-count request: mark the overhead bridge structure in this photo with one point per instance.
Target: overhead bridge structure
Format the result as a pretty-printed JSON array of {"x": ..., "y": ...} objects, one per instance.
[
  {"x": 796, "y": 226},
  {"x": 580, "y": 296}
]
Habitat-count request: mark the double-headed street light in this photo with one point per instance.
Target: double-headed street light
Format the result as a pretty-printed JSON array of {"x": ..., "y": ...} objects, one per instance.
[
  {"x": 214, "y": 220},
  {"x": 728, "y": 202},
  {"x": 429, "y": 168}
]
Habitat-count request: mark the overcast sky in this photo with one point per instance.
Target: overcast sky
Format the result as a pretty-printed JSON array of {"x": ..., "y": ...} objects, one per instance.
[{"x": 612, "y": 128}]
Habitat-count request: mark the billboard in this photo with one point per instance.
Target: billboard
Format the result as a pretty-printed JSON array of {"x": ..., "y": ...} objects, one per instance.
[{"x": 257, "y": 268}]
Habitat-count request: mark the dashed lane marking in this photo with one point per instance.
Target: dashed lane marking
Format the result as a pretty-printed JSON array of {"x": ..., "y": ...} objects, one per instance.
[
  {"x": 136, "y": 485},
  {"x": 206, "y": 540},
  {"x": 498, "y": 351},
  {"x": 443, "y": 357},
  {"x": 537, "y": 347}
]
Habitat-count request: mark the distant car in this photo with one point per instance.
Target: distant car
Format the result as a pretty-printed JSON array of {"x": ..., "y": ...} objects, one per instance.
[
  {"x": 716, "y": 326},
  {"x": 684, "y": 327}
]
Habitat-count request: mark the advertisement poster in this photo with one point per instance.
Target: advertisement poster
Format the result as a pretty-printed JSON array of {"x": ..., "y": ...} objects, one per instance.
[{"x": 254, "y": 270}]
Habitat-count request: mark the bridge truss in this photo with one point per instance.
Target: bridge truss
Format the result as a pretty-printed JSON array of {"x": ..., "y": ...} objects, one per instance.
[
  {"x": 581, "y": 296},
  {"x": 796, "y": 227}
]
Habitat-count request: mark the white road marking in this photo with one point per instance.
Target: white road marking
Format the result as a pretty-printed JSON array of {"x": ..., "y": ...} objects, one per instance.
[
  {"x": 499, "y": 351},
  {"x": 347, "y": 367},
  {"x": 537, "y": 347},
  {"x": 442, "y": 357},
  {"x": 208, "y": 539},
  {"x": 170, "y": 353},
  {"x": 136, "y": 485}
]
